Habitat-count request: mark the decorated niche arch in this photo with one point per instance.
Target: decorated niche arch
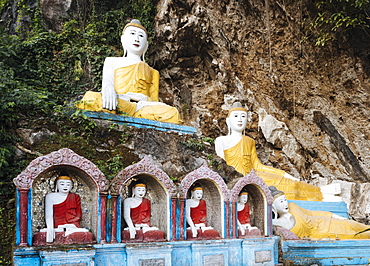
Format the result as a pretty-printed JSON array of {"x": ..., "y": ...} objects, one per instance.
[
  {"x": 215, "y": 193},
  {"x": 160, "y": 191},
  {"x": 260, "y": 201},
  {"x": 39, "y": 177}
]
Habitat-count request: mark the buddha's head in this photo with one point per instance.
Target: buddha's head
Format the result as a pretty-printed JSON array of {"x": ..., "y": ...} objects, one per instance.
[
  {"x": 237, "y": 118},
  {"x": 134, "y": 39},
  {"x": 243, "y": 197},
  {"x": 139, "y": 189},
  {"x": 64, "y": 184},
  {"x": 196, "y": 192},
  {"x": 280, "y": 204}
]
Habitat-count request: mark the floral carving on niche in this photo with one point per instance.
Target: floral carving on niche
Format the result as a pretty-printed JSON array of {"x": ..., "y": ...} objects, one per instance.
[
  {"x": 145, "y": 166},
  {"x": 203, "y": 173},
  {"x": 251, "y": 178},
  {"x": 62, "y": 157}
]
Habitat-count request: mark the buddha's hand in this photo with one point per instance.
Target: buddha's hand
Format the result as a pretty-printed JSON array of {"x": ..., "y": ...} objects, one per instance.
[
  {"x": 137, "y": 96},
  {"x": 194, "y": 231},
  {"x": 50, "y": 235},
  {"x": 286, "y": 175},
  {"x": 109, "y": 98},
  {"x": 132, "y": 231},
  {"x": 242, "y": 230}
]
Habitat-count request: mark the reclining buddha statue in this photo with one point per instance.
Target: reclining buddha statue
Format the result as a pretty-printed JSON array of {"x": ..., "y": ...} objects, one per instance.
[
  {"x": 130, "y": 86},
  {"x": 240, "y": 152}
]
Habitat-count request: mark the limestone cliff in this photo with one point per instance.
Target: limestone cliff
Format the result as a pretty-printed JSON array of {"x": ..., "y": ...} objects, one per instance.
[{"x": 310, "y": 104}]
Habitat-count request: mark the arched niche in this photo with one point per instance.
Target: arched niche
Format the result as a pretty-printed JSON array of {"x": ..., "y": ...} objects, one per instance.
[
  {"x": 215, "y": 193},
  {"x": 40, "y": 175},
  {"x": 260, "y": 199},
  {"x": 160, "y": 190}
]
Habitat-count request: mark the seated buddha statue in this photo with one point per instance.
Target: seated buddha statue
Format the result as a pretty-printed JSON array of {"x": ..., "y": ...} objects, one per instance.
[
  {"x": 196, "y": 215},
  {"x": 137, "y": 213},
  {"x": 240, "y": 152},
  {"x": 62, "y": 216},
  {"x": 130, "y": 86},
  {"x": 244, "y": 221},
  {"x": 313, "y": 224}
]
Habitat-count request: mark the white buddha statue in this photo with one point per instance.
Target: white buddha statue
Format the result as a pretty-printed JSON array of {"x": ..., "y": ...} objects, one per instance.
[
  {"x": 129, "y": 85},
  {"x": 243, "y": 209},
  {"x": 62, "y": 210},
  {"x": 240, "y": 152},
  {"x": 196, "y": 211},
  {"x": 313, "y": 224},
  {"x": 137, "y": 211}
]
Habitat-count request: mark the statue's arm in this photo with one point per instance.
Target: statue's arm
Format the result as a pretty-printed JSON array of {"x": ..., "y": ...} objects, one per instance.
[
  {"x": 258, "y": 166},
  {"x": 127, "y": 213},
  {"x": 219, "y": 147},
  {"x": 109, "y": 95},
  {"x": 50, "y": 234},
  {"x": 189, "y": 219}
]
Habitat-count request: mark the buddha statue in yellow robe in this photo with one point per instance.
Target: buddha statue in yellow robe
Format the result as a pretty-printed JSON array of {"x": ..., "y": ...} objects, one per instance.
[
  {"x": 240, "y": 152},
  {"x": 313, "y": 224},
  {"x": 129, "y": 85}
]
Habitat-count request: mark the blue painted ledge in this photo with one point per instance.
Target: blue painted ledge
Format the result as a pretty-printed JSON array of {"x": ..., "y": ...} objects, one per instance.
[{"x": 141, "y": 122}]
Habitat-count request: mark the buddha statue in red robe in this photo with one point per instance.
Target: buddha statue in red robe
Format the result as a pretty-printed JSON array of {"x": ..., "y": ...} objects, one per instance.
[
  {"x": 137, "y": 214},
  {"x": 62, "y": 216},
  {"x": 196, "y": 215},
  {"x": 244, "y": 221}
]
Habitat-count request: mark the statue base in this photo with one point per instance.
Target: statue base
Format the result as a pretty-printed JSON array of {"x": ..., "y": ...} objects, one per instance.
[
  {"x": 39, "y": 239},
  {"x": 250, "y": 233},
  {"x": 148, "y": 236},
  {"x": 207, "y": 234}
]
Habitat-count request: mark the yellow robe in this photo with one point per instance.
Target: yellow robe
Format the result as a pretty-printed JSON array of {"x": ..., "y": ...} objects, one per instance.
[
  {"x": 243, "y": 157},
  {"x": 138, "y": 78},
  {"x": 320, "y": 224}
]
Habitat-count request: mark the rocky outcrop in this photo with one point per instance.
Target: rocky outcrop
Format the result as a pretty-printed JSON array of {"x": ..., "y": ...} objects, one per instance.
[{"x": 211, "y": 53}]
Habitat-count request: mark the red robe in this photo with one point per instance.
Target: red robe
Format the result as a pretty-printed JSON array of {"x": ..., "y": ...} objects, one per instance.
[
  {"x": 199, "y": 214},
  {"x": 244, "y": 215},
  {"x": 141, "y": 214},
  {"x": 69, "y": 211}
]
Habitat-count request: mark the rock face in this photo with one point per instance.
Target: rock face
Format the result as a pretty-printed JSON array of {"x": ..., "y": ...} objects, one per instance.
[{"x": 312, "y": 103}]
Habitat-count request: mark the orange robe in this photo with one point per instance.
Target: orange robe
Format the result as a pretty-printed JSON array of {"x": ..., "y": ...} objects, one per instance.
[
  {"x": 199, "y": 214},
  {"x": 69, "y": 211},
  {"x": 243, "y": 157},
  {"x": 137, "y": 78},
  {"x": 141, "y": 214},
  {"x": 320, "y": 224}
]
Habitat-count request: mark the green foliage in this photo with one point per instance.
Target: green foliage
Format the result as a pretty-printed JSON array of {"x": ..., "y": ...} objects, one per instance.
[
  {"x": 112, "y": 166},
  {"x": 334, "y": 16},
  {"x": 198, "y": 143},
  {"x": 7, "y": 231}
]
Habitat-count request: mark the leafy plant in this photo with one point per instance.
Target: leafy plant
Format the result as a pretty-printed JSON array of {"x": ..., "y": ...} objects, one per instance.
[{"x": 333, "y": 16}]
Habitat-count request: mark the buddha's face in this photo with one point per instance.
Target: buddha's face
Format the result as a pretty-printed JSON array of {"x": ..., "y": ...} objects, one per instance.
[
  {"x": 64, "y": 186},
  {"x": 197, "y": 194},
  {"x": 243, "y": 198},
  {"x": 139, "y": 192},
  {"x": 237, "y": 121},
  {"x": 134, "y": 40},
  {"x": 281, "y": 205}
]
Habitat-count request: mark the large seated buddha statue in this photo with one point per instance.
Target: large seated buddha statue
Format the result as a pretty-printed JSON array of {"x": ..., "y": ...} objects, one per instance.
[
  {"x": 244, "y": 218},
  {"x": 62, "y": 216},
  {"x": 313, "y": 224},
  {"x": 137, "y": 212},
  {"x": 196, "y": 216},
  {"x": 130, "y": 86},
  {"x": 240, "y": 152}
]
